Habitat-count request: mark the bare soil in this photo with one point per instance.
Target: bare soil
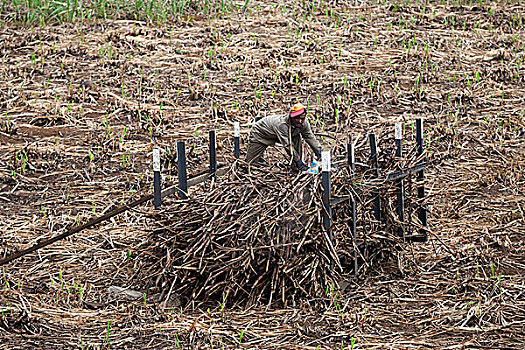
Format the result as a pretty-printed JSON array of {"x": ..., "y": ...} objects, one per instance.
[{"x": 82, "y": 105}]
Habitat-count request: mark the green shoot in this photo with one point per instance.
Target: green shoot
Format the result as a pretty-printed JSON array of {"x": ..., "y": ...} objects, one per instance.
[
  {"x": 223, "y": 303},
  {"x": 61, "y": 279},
  {"x": 240, "y": 337},
  {"x": 352, "y": 343},
  {"x": 106, "y": 336}
]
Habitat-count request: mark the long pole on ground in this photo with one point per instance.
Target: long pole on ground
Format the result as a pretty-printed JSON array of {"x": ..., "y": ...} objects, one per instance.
[
  {"x": 120, "y": 209},
  {"x": 76, "y": 229}
]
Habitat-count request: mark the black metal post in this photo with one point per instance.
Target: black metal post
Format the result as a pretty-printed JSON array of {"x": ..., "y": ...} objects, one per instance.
[
  {"x": 213, "y": 152},
  {"x": 181, "y": 166},
  {"x": 353, "y": 224},
  {"x": 156, "y": 179},
  {"x": 422, "y": 213},
  {"x": 327, "y": 212},
  {"x": 400, "y": 182},
  {"x": 237, "y": 136},
  {"x": 353, "y": 229},
  {"x": 375, "y": 173}
]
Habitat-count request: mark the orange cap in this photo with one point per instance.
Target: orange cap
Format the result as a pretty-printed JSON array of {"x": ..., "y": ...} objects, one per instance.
[{"x": 297, "y": 110}]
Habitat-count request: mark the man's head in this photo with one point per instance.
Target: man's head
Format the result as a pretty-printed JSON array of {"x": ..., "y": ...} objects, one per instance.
[{"x": 297, "y": 115}]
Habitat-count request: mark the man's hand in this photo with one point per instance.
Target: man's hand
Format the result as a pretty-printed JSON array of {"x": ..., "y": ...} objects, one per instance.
[
  {"x": 301, "y": 166},
  {"x": 317, "y": 153}
]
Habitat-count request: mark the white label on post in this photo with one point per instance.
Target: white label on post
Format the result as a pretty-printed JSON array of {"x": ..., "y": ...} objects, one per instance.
[
  {"x": 399, "y": 131},
  {"x": 325, "y": 159},
  {"x": 156, "y": 159},
  {"x": 352, "y": 155},
  {"x": 236, "y": 129}
]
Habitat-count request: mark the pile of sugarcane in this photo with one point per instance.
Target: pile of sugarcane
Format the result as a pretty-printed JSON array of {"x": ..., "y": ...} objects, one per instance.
[{"x": 256, "y": 236}]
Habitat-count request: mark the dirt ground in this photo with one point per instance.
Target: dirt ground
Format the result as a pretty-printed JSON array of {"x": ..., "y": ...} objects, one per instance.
[{"x": 82, "y": 105}]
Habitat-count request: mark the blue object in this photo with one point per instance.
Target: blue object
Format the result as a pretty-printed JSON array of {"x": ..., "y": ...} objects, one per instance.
[{"x": 314, "y": 168}]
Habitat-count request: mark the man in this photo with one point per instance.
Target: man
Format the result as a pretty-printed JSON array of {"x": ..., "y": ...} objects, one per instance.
[{"x": 287, "y": 129}]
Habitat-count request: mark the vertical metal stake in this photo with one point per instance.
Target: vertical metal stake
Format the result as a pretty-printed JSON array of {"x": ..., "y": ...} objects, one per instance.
[
  {"x": 400, "y": 183},
  {"x": 422, "y": 214},
  {"x": 237, "y": 136},
  {"x": 213, "y": 152},
  {"x": 353, "y": 225},
  {"x": 375, "y": 173},
  {"x": 156, "y": 179},
  {"x": 327, "y": 212},
  {"x": 181, "y": 166},
  {"x": 353, "y": 229}
]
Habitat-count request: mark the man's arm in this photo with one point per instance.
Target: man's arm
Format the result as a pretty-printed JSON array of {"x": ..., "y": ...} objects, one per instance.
[{"x": 310, "y": 139}]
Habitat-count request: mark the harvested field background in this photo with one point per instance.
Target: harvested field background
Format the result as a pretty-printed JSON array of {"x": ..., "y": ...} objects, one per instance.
[{"x": 83, "y": 103}]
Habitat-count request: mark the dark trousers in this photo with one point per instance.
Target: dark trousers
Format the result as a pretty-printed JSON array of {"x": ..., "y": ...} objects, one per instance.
[{"x": 256, "y": 149}]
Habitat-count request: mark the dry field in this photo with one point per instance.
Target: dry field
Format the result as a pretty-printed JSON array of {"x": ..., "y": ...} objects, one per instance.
[{"x": 84, "y": 100}]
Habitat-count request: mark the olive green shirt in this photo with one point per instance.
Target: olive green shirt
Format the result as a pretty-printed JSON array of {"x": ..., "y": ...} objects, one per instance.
[{"x": 277, "y": 128}]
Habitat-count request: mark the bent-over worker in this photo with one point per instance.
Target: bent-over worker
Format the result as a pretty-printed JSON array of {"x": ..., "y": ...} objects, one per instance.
[{"x": 287, "y": 129}]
